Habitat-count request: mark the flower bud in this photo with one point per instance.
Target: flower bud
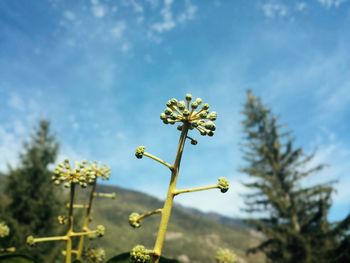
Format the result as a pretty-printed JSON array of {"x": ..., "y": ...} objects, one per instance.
[
  {"x": 223, "y": 184},
  {"x": 194, "y": 105},
  {"x": 198, "y": 101},
  {"x": 186, "y": 113},
  {"x": 212, "y": 116},
  {"x": 205, "y": 106},
  {"x": 4, "y": 230},
  {"x": 140, "y": 151},
  {"x": 100, "y": 231},
  {"x": 30, "y": 241},
  {"x": 134, "y": 220},
  {"x": 179, "y": 127},
  {"x": 188, "y": 96},
  {"x": 168, "y": 111},
  {"x": 173, "y": 101},
  {"x": 194, "y": 142},
  {"x": 210, "y": 133},
  {"x": 163, "y": 116},
  {"x": 181, "y": 105},
  {"x": 140, "y": 254}
]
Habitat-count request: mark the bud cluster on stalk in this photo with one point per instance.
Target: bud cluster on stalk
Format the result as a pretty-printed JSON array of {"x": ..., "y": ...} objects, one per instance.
[
  {"x": 83, "y": 173},
  {"x": 190, "y": 112}
]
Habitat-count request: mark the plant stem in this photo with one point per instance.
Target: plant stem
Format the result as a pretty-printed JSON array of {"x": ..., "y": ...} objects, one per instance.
[
  {"x": 86, "y": 220},
  {"x": 158, "y": 160},
  {"x": 166, "y": 211},
  {"x": 195, "y": 189},
  {"x": 70, "y": 225}
]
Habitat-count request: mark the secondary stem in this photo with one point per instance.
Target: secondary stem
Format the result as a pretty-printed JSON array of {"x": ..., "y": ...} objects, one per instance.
[
  {"x": 70, "y": 225},
  {"x": 166, "y": 211},
  {"x": 86, "y": 220}
]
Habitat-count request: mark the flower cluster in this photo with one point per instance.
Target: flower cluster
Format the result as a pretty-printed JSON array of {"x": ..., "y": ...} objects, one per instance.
[
  {"x": 99, "y": 232},
  {"x": 225, "y": 256},
  {"x": 30, "y": 241},
  {"x": 223, "y": 184},
  {"x": 83, "y": 173},
  {"x": 134, "y": 220},
  {"x": 4, "y": 230},
  {"x": 140, "y": 254},
  {"x": 96, "y": 255},
  {"x": 140, "y": 150},
  {"x": 186, "y": 112}
]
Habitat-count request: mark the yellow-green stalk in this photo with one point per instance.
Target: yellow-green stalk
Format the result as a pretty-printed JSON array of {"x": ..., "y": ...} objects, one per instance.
[
  {"x": 102, "y": 172},
  {"x": 83, "y": 174},
  {"x": 189, "y": 118}
]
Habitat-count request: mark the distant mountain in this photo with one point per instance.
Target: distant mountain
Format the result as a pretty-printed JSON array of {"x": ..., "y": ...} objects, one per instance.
[{"x": 193, "y": 236}]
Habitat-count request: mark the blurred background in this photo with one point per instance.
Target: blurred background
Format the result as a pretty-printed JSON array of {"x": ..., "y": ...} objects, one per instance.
[{"x": 101, "y": 71}]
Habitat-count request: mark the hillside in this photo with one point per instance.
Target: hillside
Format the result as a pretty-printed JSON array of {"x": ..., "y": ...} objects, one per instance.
[{"x": 193, "y": 236}]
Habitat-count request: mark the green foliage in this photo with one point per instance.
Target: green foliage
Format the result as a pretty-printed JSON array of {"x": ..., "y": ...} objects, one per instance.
[
  {"x": 33, "y": 200},
  {"x": 15, "y": 258},
  {"x": 293, "y": 216}
]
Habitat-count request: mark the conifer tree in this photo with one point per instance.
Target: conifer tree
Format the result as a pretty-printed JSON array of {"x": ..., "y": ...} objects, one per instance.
[
  {"x": 33, "y": 200},
  {"x": 292, "y": 216}
]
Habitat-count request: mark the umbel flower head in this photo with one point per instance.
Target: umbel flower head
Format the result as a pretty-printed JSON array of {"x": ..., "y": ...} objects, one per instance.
[
  {"x": 140, "y": 254},
  {"x": 195, "y": 113},
  {"x": 4, "y": 230},
  {"x": 134, "y": 220},
  {"x": 225, "y": 256},
  {"x": 96, "y": 255},
  {"x": 83, "y": 173}
]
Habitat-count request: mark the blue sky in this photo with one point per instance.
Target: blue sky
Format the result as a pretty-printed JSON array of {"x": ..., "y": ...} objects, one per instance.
[{"x": 102, "y": 71}]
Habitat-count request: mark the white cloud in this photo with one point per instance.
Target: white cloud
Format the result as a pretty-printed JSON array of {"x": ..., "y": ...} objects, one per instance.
[
  {"x": 69, "y": 15},
  {"x": 118, "y": 30},
  {"x": 16, "y": 102},
  {"x": 189, "y": 12},
  {"x": 331, "y": 3},
  {"x": 98, "y": 10},
  {"x": 301, "y": 6},
  {"x": 274, "y": 9},
  {"x": 168, "y": 22}
]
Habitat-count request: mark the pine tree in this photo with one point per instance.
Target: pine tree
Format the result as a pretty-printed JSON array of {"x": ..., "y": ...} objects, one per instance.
[
  {"x": 33, "y": 200},
  {"x": 292, "y": 216}
]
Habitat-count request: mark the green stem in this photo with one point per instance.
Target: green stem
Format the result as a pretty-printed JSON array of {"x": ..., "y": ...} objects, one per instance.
[
  {"x": 86, "y": 220},
  {"x": 195, "y": 189},
  {"x": 166, "y": 211},
  {"x": 70, "y": 225},
  {"x": 158, "y": 160}
]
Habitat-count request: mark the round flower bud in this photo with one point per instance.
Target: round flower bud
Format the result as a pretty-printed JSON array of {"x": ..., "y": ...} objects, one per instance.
[
  {"x": 30, "y": 241},
  {"x": 209, "y": 125},
  {"x": 194, "y": 142},
  {"x": 181, "y": 105},
  {"x": 203, "y": 114},
  {"x": 100, "y": 231},
  {"x": 168, "y": 103},
  {"x": 62, "y": 220},
  {"x": 140, "y": 151},
  {"x": 203, "y": 133},
  {"x": 186, "y": 113},
  {"x": 4, "y": 230},
  {"x": 140, "y": 254},
  {"x": 223, "y": 184},
  {"x": 198, "y": 101},
  {"x": 173, "y": 116},
  {"x": 173, "y": 101},
  {"x": 210, "y": 133},
  {"x": 205, "y": 106},
  {"x": 163, "y": 116},
  {"x": 194, "y": 124},
  {"x": 67, "y": 184},
  {"x": 212, "y": 116},
  {"x": 134, "y": 220},
  {"x": 96, "y": 255},
  {"x": 194, "y": 105},
  {"x": 168, "y": 111},
  {"x": 188, "y": 96},
  {"x": 179, "y": 127},
  {"x": 225, "y": 256}
]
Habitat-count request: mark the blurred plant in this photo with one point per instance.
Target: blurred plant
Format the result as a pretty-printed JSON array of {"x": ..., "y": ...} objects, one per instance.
[
  {"x": 189, "y": 118},
  {"x": 83, "y": 174},
  {"x": 102, "y": 172},
  {"x": 95, "y": 255},
  {"x": 225, "y": 256},
  {"x": 4, "y": 232}
]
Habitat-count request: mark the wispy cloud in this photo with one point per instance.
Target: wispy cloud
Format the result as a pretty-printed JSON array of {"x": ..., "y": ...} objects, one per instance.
[
  {"x": 274, "y": 9},
  {"x": 331, "y": 3}
]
